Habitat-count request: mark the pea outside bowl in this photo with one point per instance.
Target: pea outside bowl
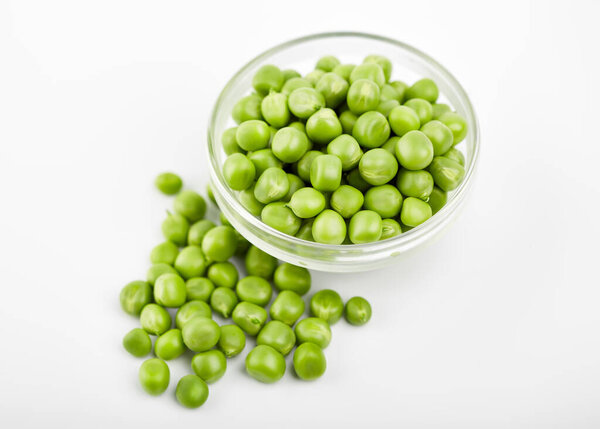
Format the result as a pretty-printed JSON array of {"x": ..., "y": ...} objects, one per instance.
[{"x": 409, "y": 65}]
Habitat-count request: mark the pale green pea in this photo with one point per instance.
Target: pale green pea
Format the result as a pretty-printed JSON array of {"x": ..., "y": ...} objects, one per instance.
[
  {"x": 439, "y": 109},
  {"x": 347, "y": 119},
  {"x": 259, "y": 263},
  {"x": 169, "y": 290},
  {"x": 267, "y": 78},
  {"x": 154, "y": 376},
  {"x": 264, "y": 159},
  {"x": 175, "y": 228},
  {"x": 414, "y": 212},
  {"x": 275, "y": 110},
  {"x": 265, "y": 364},
  {"x": 294, "y": 83},
  {"x": 201, "y": 334},
  {"x": 414, "y": 150},
  {"x": 417, "y": 183},
  {"x": 272, "y": 185},
  {"x": 253, "y": 135},
  {"x": 327, "y": 305},
  {"x": 447, "y": 173},
  {"x": 347, "y": 149},
  {"x": 378, "y": 166},
  {"x": 309, "y": 361},
  {"x": 327, "y": 63},
  {"x": 424, "y": 88},
  {"x": 199, "y": 288},
  {"x": 255, "y": 290},
  {"x": 323, "y": 126},
  {"x": 437, "y": 199},
  {"x": 354, "y": 179},
  {"x": 292, "y": 277},
  {"x": 223, "y": 274},
  {"x": 210, "y": 365},
  {"x": 422, "y": 108},
  {"x": 385, "y": 200},
  {"x": 190, "y": 310},
  {"x": 305, "y": 231},
  {"x": 239, "y": 172},
  {"x": 277, "y": 335},
  {"x": 381, "y": 61},
  {"x": 388, "y": 92},
  {"x": 249, "y": 201},
  {"x": 329, "y": 228},
  {"x": 229, "y": 142},
  {"x": 168, "y": 183},
  {"x": 357, "y": 311},
  {"x": 346, "y": 200},
  {"x": 403, "y": 119},
  {"x": 401, "y": 87},
  {"x": 289, "y": 74},
  {"x": 154, "y": 319},
  {"x": 289, "y": 144},
  {"x": 307, "y": 203},
  {"x": 371, "y": 130},
  {"x": 370, "y": 71},
  {"x": 232, "y": 340},
  {"x": 169, "y": 345},
  {"x": 304, "y": 165},
  {"x": 313, "y": 330},
  {"x": 198, "y": 230},
  {"x": 279, "y": 216},
  {"x": 457, "y": 125},
  {"x": 247, "y": 108},
  {"x": 390, "y": 145},
  {"x": 385, "y": 107},
  {"x": 191, "y": 262},
  {"x": 250, "y": 317},
  {"x": 296, "y": 184},
  {"x": 191, "y": 391},
  {"x": 314, "y": 76},
  {"x": 220, "y": 243},
  {"x": 364, "y": 227},
  {"x": 390, "y": 228},
  {"x": 363, "y": 95},
  {"x": 440, "y": 136},
  {"x": 157, "y": 270},
  {"x": 190, "y": 204},
  {"x": 134, "y": 296},
  {"x": 334, "y": 88},
  {"x": 303, "y": 102},
  {"x": 223, "y": 300},
  {"x": 137, "y": 342},
  {"x": 326, "y": 173},
  {"x": 344, "y": 70},
  {"x": 455, "y": 155},
  {"x": 287, "y": 307}
]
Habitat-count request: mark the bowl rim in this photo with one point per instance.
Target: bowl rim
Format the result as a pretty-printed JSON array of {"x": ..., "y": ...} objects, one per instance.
[{"x": 414, "y": 234}]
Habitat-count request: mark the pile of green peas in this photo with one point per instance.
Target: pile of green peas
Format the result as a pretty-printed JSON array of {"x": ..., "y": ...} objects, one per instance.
[
  {"x": 193, "y": 277},
  {"x": 343, "y": 155}
]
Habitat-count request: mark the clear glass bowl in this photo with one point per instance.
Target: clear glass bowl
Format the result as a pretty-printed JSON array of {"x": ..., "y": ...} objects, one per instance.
[{"x": 409, "y": 64}]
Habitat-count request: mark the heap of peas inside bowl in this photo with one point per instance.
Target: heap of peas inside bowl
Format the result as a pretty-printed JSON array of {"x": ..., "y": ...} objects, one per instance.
[
  {"x": 343, "y": 154},
  {"x": 192, "y": 277}
]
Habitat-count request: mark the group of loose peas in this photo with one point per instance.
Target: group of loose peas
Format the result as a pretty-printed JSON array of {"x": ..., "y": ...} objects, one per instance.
[
  {"x": 191, "y": 272},
  {"x": 343, "y": 155}
]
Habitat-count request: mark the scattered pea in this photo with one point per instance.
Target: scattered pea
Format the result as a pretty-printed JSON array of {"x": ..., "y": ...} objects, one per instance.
[
  {"x": 223, "y": 300},
  {"x": 265, "y": 364},
  {"x": 134, "y": 296},
  {"x": 250, "y": 317},
  {"x": 168, "y": 183},
  {"x": 232, "y": 340},
  {"x": 313, "y": 330},
  {"x": 327, "y": 305},
  {"x": 357, "y": 311},
  {"x": 191, "y": 391},
  {"x": 309, "y": 361},
  {"x": 154, "y": 376},
  {"x": 277, "y": 335},
  {"x": 223, "y": 274},
  {"x": 169, "y": 345},
  {"x": 291, "y": 277},
  {"x": 209, "y": 365},
  {"x": 201, "y": 334},
  {"x": 137, "y": 342}
]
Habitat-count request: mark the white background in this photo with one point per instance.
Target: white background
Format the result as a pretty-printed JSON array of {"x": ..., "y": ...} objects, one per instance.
[{"x": 494, "y": 326}]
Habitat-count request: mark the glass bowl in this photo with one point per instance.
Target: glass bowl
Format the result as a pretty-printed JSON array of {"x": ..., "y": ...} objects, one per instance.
[{"x": 409, "y": 64}]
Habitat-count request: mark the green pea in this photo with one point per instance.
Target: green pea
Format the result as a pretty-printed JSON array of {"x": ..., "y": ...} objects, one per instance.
[
  {"x": 390, "y": 145},
  {"x": 165, "y": 253},
  {"x": 191, "y": 205},
  {"x": 401, "y": 87},
  {"x": 305, "y": 163},
  {"x": 384, "y": 200},
  {"x": 363, "y": 95},
  {"x": 291, "y": 277},
  {"x": 137, "y": 342},
  {"x": 223, "y": 274},
  {"x": 272, "y": 185},
  {"x": 437, "y": 199},
  {"x": 323, "y": 126},
  {"x": 277, "y": 335},
  {"x": 275, "y": 110},
  {"x": 289, "y": 144},
  {"x": 455, "y": 155},
  {"x": 439, "y": 109},
  {"x": 457, "y": 125},
  {"x": 378, "y": 166},
  {"x": 134, "y": 296},
  {"x": 314, "y": 76},
  {"x": 414, "y": 212},
  {"x": 264, "y": 159},
  {"x": 347, "y": 119},
  {"x": 249, "y": 201},
  {"x": 334, "y": 88},
  {"x": 447, "y": 173},
  {"x": 250, "y": 317},
  {"x": 279, "y": 216},
  {"x": 247, "y": 108},
  {"x": 414, "y": 150},
  {"x": 386, "y": 107},
  {"x": 239, "y": 172},
  {"x": 313, "y": 330},
  {"x": 210, "y": 365},
  {"x": 223, "y": 300},
  {"x": 157, "y": 270},
  {"x": 347, "y": 149},
  {"x": 287, "y": 307},
  {"x": 199, "y": 288},
  {"x": 191, "y": 310},
  {"x": 403, "y": 119},
  {"x": 191, "y": 391},
  {"x": 309, "y": 361},
  {"x": 191, "y": 262},
  {"x": 154, "y": 376},
  {"x": 327, "y": 305},
  {"x": 267, "y": 78},
  {"x": 346, "y": 200},
  {"x": 219, "y": 243},
  {"x": 155, "y": 319},
  {"x": 305, "y": 231},
  {"x": 327, "y": 63},
  {"x": 389, "y": 93},
  {"x": 439, "y": 135},
  {"x": 381, "y": 61},
  {"x": 289, "y": 74},
  {"x": 296, "y": 184},
  {"x": 344, "y": 70},
  {"x": 358, "y": 311},
  {"x": 294, "y": 83},
  {"x": 355, "y": 180},
  {"x": 365, "y": 227},
  {"x": 259, "y": 263},
  {"x": 229, "y": 142},
  {"x": 169, "y": 290},
  {"x": 265, "y": 364},
  {"x": 370, "y": 71},
  {"x": 390, "y": 228},
  {"x": 169, "y": 345},
  {"x": 329, "y": 228},
  {"x": 307, "y": 203},
  {"x": 232, "y": 340},
  {"x": 326, "y": 173},
  {"x": 175, "y": 228},
  {"x": 422, "y": 108},
  {"x": 168, "y": 183},
  {"x": 201, "y": 334},
  {"x": 255, "y": 290},
  {"x": 425, "y": 89},
  {"x": 418, "y": 184},
  {"x": 371, "y": 129},
  {"x": 304, "y": 102},
  {"x": 198, "y": 230},
  {"x": 253, "y": 135}
]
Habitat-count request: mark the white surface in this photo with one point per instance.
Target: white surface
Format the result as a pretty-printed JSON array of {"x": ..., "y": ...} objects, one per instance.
[{"x": 495, "y": 326}]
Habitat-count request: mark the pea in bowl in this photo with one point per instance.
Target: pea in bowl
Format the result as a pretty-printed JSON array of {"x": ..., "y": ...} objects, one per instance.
[{"x": 409, "y": 65}]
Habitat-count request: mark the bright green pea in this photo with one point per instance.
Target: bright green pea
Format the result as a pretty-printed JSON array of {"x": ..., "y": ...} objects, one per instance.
[
  {"x": 191, "y": 391},
  {"x": 334, "y": 88},
  {"x": 344, "y": 70},
  {"x": 191, "y": 262},
  {"x": 381, "y": 61},
  {"x": 417, "y": 183},
  {"x": 447, "y": 173},
  {"x": 414, "y": 212},
  {"x": 250, "y": 317},
  {"x": 229, "y": 142},
  {"x": 439, "y": 109},
  {"x": 329, "y": 228},
  {"x": 290, "y": 74},
  {"x": 363, "y": 95},
  {"x": 401, "y": 87},
  {"x": 134, "y": 296},
  {"x": 388, "y": 93},
  {"x": 296, "y": 184},
  {"x": 272, "y": 185},
  {"x": 249, "y": 201},
  {"x": 358, "y": 311},
  {"x": 223, "y": 300},
  {"x": 219, "y": 243},
  {"x": 365, "y": 227},
  {"x": 422, "y": 108},
  {"x": 191, "y": 310},
  {"x": 154, "y": 376},
  {"x": 305, "y": 231},
  {"x": 289, "y": 144},
  {"x": 169, "y": 290},
  {"x": 403, "y": 119},
  {"x": 264, "y": 159},
  {"x": 439, "y": 135},
  {"x": 305, "y": 163},
  {"x": 253, "y": 135},
  {"x": 155, "y": 319},
  {"x": 137, "y": 342},
  {"x": 326, "y": 173},
  {"x": 309, "y": 361},
  {"x": 314, "y": 76},
  {"x": 169, "y": 345},
  {"x": 414, "y": 150},
  {"x": 346, "y": 200},
  {"x": 199, "y": 288},
  {"x": 386, "y": 107},
  {"x": 371, "y": 129},
  {"x": 323, "y": 126},
  {"x": 307, "y": 203},
  {"x": 390, "y": 228},
  {"x": 378, "y": 166},
  {"x": 157, "y": 270},
  {"x": 457, "y": 125},
  {"x": 223, "y": 274},
  {"x": 455, "y": 155},
  {"x": 190, "y": 204},
  {"x": 327, "y": 305},
  {"x": 287, "y": 307},
  {"x": 209, "y": 365},
  {"x": 303, "y": 102},
  {"x": 347, "y": 119},
  {"x": 313, "y": 330},
  {"x": 164, "y": 253},
  {"x": 275, "y": 110},
  {"x": 370, "y": 71},
  {"x": 198, "y": 230},
  {"x": 384, "y": 200},
  {"x": 175, "y": 228},
  {"x": 437, "y": 199},
  {"x": 425, "y": 89},
  {"x": 277, "y": 335},
  {"x": 291, "y": 277},
  {"x": 232, "y": 340},
  {"x": 201, "y": 334},
  {"x": 239, "y": 172},
  {"x": 247, "y": 108},
  {"x": 259, "y": 263},
  {"x": 294, "y": 83},
  {"x": 267, "y": 78},
  {"x": 355, "y": 180},
  {"x": 347, "y": 149},
  {"x": 390, "y": 145},
  {"x": 265, "y": 364},
  {"x": 327, "y": 63},
  {"x": 168, "y": 183},
  {"x": 279, "y": 216},
  {"x": 255, "y": 290}
]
